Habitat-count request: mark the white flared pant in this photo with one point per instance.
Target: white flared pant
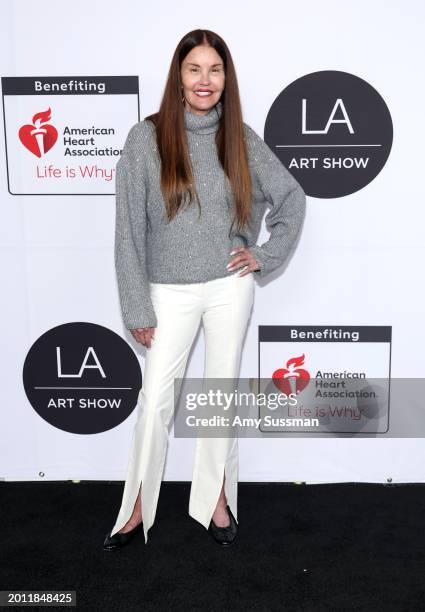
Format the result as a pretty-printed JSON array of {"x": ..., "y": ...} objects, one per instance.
[{"x": 224, "y": 306}]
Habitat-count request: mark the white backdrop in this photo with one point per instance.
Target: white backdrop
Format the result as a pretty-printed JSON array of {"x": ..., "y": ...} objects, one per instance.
[{"x": 57, "y": 252}]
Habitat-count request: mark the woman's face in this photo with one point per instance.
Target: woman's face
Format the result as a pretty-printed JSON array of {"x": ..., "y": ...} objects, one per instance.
[{"x": 202, "y": 70}]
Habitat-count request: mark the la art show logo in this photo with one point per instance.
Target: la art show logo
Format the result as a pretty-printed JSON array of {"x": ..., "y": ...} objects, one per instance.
[
  {"x": 82, "y": 378},
  {"x": 332, "y": 130}
]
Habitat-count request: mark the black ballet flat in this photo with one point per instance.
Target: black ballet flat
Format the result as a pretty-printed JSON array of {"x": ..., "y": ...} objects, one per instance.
[
  {"x": 118, "y": 540},
  {"x": 224, "y": 535}
]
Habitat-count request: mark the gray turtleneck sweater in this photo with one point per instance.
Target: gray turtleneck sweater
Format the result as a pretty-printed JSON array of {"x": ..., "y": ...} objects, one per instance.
[{"x": 189, "y": 248}]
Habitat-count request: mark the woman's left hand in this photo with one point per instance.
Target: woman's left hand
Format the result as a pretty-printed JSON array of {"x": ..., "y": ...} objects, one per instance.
[{"x": 242, "y": 257}]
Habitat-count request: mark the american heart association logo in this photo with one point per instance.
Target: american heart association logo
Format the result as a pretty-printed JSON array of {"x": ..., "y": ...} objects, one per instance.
[
  {"x": 283, "y": 377},
  {"x": 40, "y": 136}
]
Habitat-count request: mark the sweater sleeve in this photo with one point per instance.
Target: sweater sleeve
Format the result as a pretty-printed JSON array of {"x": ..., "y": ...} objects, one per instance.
[
  {"x": 130, "y": 233},
  {"x": 288, "y": 204}
]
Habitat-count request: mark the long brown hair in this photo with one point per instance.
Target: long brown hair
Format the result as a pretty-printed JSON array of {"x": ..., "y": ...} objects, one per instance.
[{"x": 176, "y": 172}]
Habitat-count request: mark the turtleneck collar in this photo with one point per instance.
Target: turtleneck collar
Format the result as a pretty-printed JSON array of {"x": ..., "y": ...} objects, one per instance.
[{"x": 204, "y": 124}]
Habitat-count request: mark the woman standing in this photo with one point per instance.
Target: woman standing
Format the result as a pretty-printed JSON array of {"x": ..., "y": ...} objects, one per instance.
[{"x": 179, "y": 264}]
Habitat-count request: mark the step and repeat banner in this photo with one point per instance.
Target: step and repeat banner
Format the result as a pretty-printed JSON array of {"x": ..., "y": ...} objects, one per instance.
[{"x": 334, "y": 89}]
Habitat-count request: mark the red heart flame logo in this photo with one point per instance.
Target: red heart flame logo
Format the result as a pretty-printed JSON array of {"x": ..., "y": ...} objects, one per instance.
[
  {"x": 39, "y": 137},
  {"x": 281, "y": 377}
]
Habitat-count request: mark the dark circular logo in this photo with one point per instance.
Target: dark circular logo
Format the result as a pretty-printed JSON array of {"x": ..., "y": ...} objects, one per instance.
[
  {"x": 82, "y": 378},
  {"x": 332, "y": 130}
]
